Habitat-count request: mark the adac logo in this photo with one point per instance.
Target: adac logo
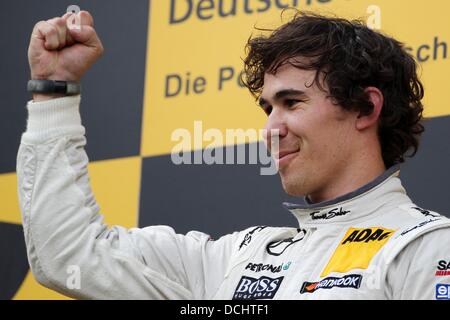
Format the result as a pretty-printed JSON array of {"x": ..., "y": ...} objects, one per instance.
[
  {"x": 348, "y": 281},
  {"x": 367, "y": 235},
  {"x": 250, "y": 288},
  {"x": 356, "y": 249},
  {"x": 443, "y": 268}
]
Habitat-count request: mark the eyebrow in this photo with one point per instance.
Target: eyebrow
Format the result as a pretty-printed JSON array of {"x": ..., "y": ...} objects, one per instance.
[{"x": 282, "y": 94}]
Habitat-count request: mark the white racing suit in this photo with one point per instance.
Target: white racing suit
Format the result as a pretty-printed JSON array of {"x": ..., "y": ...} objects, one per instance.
[{"x": 373, "y": 243}]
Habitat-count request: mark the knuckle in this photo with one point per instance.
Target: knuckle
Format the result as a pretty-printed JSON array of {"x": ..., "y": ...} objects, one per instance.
[
  {"x": 99, "y": 50},
  {"x": 60, "y": 23},
  {"x": 50, "y": 21},
  {"x": 87, "y": 14},
  {"x": 51, "y": 30},
  {"x": 39, "y": 25}
]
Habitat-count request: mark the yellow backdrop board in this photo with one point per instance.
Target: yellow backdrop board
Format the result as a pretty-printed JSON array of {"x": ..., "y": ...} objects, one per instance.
[{"x": 195, "y": 50}]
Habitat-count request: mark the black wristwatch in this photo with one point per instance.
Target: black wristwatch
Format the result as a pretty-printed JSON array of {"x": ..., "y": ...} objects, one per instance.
[{"x": 69, "y": 88}]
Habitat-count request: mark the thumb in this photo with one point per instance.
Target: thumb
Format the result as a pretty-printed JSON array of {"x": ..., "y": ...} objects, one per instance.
[{"x": 86, "y": 35}]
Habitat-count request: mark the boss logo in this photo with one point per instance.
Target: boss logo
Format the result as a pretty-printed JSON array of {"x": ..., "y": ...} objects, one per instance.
[{"x": 250, "y": 288}]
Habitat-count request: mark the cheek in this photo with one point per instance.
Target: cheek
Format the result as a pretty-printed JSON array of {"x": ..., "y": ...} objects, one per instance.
[
  {"x": 319, "y": 131},
  {"x": 322, "y": 140},
  {"x": 298, "y": 124}
]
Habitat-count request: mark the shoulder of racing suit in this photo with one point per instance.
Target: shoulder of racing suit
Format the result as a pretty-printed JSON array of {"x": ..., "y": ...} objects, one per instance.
[
  {"x": 405, "y": 222},
  {"x": 423, "y": 222}
]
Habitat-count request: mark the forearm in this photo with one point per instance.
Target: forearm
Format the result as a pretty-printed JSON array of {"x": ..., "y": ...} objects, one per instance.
[
  {"x": 63, "y": 227},
  {"x": 48, "y": 199},
  {"x": 60, "y": 216}
]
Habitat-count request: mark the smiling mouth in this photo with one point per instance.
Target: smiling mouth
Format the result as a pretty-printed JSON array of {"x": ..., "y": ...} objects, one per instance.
[{"x": 284, "y": 157}]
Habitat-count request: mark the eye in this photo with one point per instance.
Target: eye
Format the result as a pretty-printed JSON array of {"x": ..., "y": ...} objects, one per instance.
[
  {"x": 291, "y": 102},
  {"x": 268, "y": 110}
]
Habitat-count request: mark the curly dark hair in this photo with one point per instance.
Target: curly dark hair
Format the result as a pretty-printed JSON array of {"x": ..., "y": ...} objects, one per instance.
[{"x": 349, "y": 57}]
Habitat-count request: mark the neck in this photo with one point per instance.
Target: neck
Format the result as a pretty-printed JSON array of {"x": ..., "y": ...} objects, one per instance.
[
  {"x": 361, "y": 171},
  {"x": 384, "y": 191}
]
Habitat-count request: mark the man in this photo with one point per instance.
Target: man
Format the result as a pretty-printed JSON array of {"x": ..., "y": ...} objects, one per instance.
[{"x": 344, "y": 102}]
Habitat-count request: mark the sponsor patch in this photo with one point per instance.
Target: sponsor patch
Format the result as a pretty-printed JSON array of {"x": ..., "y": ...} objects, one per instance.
[
  {"x": 258, "y": 267},
  {"x": 248, "y": 236},
  {"x": 420, "y": 225},
  {"x": 426, "y": 213},
  {"x": 250, "y": 288},
  {"x": 356, "y": 249},
  {"x": 443, "y": 268},
  {"x": 348, "y": 281},
  {"x": 277, "y": 248},
  {"x": 442, "y": 291}
]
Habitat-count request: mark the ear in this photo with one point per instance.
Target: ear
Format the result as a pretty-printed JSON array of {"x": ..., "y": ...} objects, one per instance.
[{"x": 376, "y": 97}]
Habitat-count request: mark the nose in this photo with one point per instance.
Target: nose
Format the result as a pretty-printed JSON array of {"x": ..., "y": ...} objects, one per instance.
[{"x": 275, "y": 127}]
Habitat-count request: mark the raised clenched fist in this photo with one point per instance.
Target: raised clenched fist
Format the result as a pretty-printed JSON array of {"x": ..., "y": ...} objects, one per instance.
[{"x": 57, "y": 52}]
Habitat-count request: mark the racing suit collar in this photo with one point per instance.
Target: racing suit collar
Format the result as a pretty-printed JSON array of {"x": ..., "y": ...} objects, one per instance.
[{"x": 360, "y": 203}]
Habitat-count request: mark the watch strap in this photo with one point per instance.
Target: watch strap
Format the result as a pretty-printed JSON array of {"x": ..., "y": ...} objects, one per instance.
[{"x": 54, "y": 86}]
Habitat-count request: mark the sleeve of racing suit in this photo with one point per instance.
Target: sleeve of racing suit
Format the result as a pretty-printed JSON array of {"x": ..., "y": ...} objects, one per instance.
[
  {"x": 422, "y": 269},
  {"x": 64, "y": 230}
]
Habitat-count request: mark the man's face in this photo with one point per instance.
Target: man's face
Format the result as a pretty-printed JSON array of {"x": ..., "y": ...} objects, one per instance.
[{"x": 315, "y": 135}]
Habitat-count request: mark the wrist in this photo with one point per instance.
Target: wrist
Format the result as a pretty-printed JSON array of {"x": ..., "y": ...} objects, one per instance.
[
  {"x": 50, "y": 89},
  {"x": 53, "y": 118},
  {"x": 44, "y": 97}
]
